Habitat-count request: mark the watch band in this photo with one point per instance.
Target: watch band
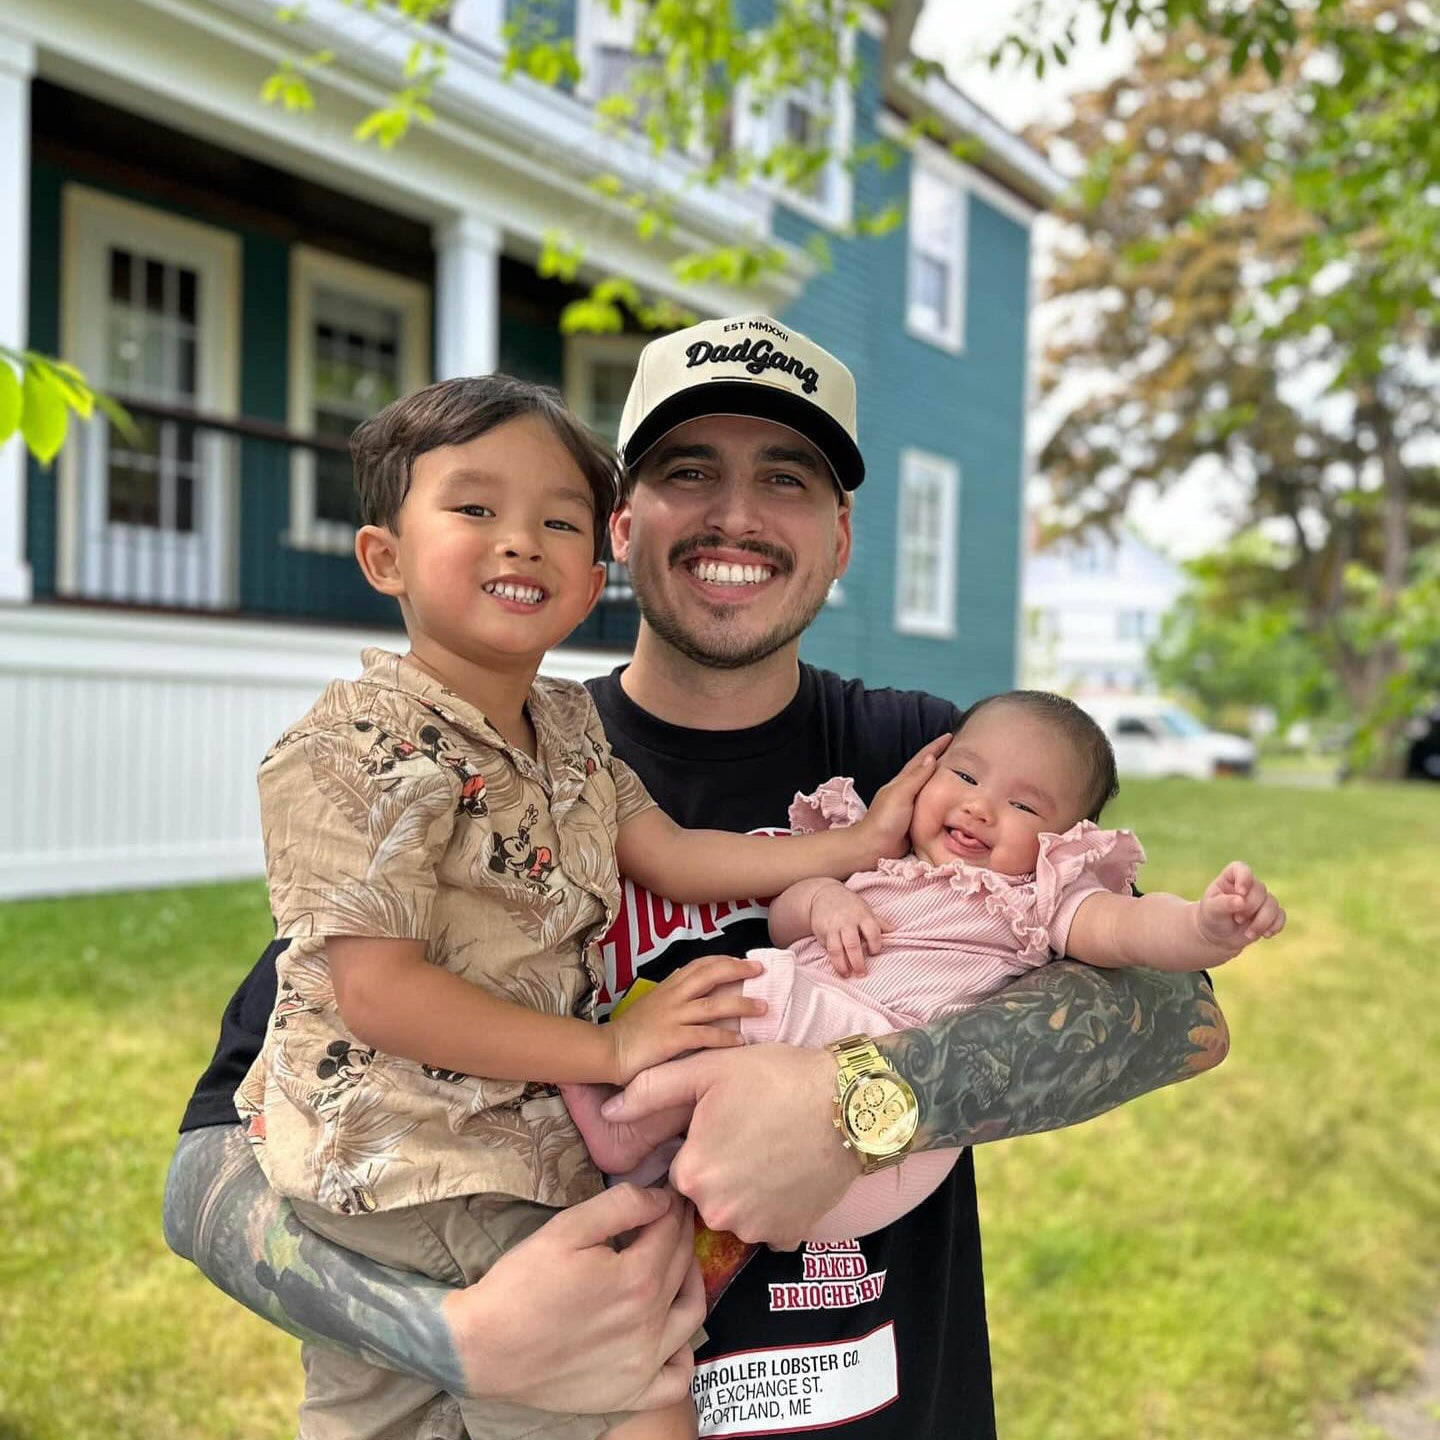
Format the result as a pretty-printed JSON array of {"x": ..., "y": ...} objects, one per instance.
[{"x": 861, "y": 1064}]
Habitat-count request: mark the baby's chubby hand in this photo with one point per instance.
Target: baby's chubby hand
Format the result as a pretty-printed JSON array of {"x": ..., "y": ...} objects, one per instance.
[
  {"x": 884, "y": 832},
  {"x": 1237, "y": 908},
  {"x": 846, "y": 926}
]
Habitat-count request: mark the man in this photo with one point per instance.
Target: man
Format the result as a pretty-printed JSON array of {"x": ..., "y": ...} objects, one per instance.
[{"x": 739, "y": 436}]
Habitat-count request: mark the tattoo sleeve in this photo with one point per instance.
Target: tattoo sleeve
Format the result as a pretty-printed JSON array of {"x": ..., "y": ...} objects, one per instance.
[
  {"x": 1061, "y": 1044},
  {"x": 222, "y": 1215}
]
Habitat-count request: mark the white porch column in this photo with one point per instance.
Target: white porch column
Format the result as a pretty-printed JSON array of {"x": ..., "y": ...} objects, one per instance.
[
  {"x": 17, "y": 65},
  {"x": 467, "y": 297}
]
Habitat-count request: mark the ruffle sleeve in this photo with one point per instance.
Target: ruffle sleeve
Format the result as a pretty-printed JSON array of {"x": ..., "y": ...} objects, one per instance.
[
  {"x": 1073, "y": 866},
  {"x": 834, "y": 806}
]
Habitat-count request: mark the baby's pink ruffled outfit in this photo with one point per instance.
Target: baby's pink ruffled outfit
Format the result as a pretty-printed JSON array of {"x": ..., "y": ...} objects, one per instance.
[{"x": 957, "y": 933}]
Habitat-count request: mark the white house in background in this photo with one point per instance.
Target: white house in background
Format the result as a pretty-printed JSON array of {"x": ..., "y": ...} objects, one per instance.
[{"x": 1092, "y": 608}]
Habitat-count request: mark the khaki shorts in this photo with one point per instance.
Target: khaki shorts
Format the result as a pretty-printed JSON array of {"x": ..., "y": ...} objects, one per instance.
[{"x": 453, "y": 1240}]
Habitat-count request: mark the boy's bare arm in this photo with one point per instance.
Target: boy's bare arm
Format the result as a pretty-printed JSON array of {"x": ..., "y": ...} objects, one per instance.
[
  {"x": 698, "y": 865},
  {"x": 391, "y": 997},
  {"x": 512, "y": 1336}
]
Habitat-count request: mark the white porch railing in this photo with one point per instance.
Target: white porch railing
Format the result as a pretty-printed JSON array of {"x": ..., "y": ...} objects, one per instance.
[{"x": 133, "y": 740}]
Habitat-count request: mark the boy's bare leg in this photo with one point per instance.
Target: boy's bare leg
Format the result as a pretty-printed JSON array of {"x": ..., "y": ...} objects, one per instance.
[{"x": 675, "y": 1422}]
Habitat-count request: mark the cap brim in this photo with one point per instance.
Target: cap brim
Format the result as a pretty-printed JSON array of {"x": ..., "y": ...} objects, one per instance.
[{"x": 760, "y": 402}]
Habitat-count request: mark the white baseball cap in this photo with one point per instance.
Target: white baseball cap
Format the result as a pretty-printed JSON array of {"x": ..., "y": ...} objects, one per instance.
[{"x": 747, "y": 365}]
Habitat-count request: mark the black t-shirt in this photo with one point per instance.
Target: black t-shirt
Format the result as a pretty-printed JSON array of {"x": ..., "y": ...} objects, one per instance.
[{"x": 885, "y": 1336}]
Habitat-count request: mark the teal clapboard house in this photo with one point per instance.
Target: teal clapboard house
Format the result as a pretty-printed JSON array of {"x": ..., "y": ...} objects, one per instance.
[{"x": 252, "y": 283}]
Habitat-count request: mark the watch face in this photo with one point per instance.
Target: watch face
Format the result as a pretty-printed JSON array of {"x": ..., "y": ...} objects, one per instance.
[{"x": 881, "y": 1114}]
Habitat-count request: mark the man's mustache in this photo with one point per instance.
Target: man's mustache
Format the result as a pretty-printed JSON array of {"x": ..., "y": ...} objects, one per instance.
[{"x": 781, "y": 559}]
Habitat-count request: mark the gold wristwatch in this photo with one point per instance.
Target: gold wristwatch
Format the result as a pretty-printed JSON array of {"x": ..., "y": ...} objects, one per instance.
[{"x": 875, "y": 1109}]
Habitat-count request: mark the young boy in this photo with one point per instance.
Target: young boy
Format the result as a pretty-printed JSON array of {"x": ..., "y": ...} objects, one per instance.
[{"x": 441, "y": 840}]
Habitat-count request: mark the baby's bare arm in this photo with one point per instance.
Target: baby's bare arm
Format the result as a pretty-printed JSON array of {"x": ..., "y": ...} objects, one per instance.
[{"x": 1165, "y": 932}]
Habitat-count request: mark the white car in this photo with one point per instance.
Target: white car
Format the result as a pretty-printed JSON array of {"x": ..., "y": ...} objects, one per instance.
[{"x": 1155, "y": 737}]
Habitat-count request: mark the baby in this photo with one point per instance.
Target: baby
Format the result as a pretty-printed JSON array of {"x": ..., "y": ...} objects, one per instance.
[
  {"x": 1007, "y": 870},
  {"x": 441, "y": 840}
]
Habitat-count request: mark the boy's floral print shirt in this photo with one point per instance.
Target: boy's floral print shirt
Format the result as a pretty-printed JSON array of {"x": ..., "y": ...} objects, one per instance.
[{"x": 394, "y": 809}]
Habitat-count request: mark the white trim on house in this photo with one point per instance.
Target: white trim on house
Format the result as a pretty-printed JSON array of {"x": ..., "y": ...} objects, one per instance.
[
  {"x": 17, "y": 65},
  {"x": 926, "y": 532},
  {"x": 141, "y": 735},
  {"x": 985, "y": 187},
  {"x": 1036, "y": 181},
  {"x": 582, "y": 354},
  {"x": 310, "y": 268},
  {"x": 91, "y": 222},
  {"x": 481, "y": 22},
  {"x": 949, "y": 332}
]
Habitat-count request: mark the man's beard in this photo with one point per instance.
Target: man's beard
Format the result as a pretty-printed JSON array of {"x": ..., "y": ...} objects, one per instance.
[{"x": 721, "y": 653}]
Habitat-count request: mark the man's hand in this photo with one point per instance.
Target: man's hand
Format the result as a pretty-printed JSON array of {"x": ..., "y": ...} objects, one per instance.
[
  {"x": 1237, "y": 909},
  {"x": 883, "y": 832},
  {"x": 762, "y": 1158},
  {"x": 566, "y": 1322},
  {"x": 846, "y": 926},
  {"x": 562, "y": 1321},
  {"x": 681, "y": 1014}
]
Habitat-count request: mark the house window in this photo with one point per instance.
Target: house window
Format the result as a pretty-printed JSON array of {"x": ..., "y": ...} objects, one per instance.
[
  {"x": 810, "y": 117},
  {"x": 926, "y": 535},
  {"x": 605, "y": 47},
  {"x": 359, "y": 338},
  {"x": 1134, "y": 625},
  {"x": 1043, "y": 624},
  {"x": 598, "y": 372},
  {"x": 1096, "y": 557},
  {"x": 935, "y": 303}
]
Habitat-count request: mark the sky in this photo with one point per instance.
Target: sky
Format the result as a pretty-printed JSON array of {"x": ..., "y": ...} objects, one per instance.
[{"x": 959, "y": 33}]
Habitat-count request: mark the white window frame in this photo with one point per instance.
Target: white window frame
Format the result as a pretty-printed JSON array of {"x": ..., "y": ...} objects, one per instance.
[
  {"x": 760, "y": 133},
  {"x": 310, "y": 268},
  {"x": 596, "y": 25},
  {"x": 482, "y": 22},
  {"x": 937, "y": 168},
  {"x": 90, "y": 220},
  {"x": 582, "y": 354},
  {"x": 920, "y": 468}
]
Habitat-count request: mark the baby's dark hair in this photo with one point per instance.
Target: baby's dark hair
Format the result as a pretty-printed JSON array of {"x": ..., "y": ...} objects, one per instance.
[
  {"x": 451, "y": 412},
  {"x": 1091, "y": 743}
]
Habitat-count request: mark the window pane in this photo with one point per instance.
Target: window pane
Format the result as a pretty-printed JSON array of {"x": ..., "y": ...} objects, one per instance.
[
  {"x": 134, "y": 497},
  {"x": 155, "y": 287},
  {"x": 184, "y": 504},
  {"x": 334, "y": 489},
  {"x": 931, "y": 292},
  {"x": 934, "y": 208},
  {"x": 120, "y": 270}
]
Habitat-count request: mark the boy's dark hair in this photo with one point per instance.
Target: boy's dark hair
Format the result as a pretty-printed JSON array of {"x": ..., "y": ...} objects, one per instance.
[
  {"x": 1091, "y": 743},
  {"x": 450, "y": 412}
]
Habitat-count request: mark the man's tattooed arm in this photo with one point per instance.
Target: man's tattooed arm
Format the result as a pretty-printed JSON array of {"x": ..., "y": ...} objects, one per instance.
[
  {"x": 1062, "y": 1044},
  {"x": 563, "y": 1321},
  {"x": 222, "y": 1215}
]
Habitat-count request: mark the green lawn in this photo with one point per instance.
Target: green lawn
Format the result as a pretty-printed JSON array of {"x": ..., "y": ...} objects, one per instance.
[{"x": 1232, "y": 1258}]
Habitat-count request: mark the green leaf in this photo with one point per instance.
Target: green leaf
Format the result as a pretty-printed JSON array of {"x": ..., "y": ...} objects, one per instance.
[
  {"x": 11, "y": 401},
  {"x": 44, "y": 418}
]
